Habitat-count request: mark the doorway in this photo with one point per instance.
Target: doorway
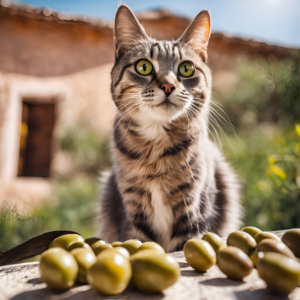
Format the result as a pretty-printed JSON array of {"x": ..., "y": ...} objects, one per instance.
[{"x": 36, "y": 138}]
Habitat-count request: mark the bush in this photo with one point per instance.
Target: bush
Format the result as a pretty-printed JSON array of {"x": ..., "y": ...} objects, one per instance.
[
  {"x": 271, "y": 187},
  {"x": 72, "y": 207},
  {"x": 266, "y": 90},
  {"x": 89, "y": 150}
]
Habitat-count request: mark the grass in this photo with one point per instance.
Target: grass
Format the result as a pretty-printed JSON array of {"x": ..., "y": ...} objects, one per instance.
[
  {"x": 270, "y": 202},
  {"x": 73, "y": 206}
]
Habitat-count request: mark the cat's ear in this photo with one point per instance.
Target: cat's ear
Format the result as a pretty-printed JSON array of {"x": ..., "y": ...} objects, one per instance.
[
  {"x": 198, "y": 33},
  {"x": 127, "y": 30}
]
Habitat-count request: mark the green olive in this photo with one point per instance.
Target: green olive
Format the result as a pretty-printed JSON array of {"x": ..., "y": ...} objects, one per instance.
[
  {"x": 91, "y": 240},
  {"x": 144, "y": 67},
  {"x": 151, "y": 246},
  {"x": 199, "y": 254},
  {"x": 116, "y": 244},
  {"x": 153, "y": 271},
  {"x": 132, "y": 246},
  {"x": 214, "y": 240},
  {"x": 186, "y": 69},
  {"x": 253, "y": 231},
  {"x": 292, "y": 239},
  {"x": 233, "y": 262},
  {"x": 242, "y": 240},
  {"x": 58, "y": 268},
  {"x": 98, "y": 247},
  {"x": 119, "y": 250},
  {"x": 265, "y": 235},
  {"x": 76, "y": 245},
  {"x": 64, "y": 241},
  {"x": 269, "y": 245},
  {"x": 254, "y": 257},
  {"x": 110, "y": 274},
  {"x": 85, "y": 258},
  {"x": 281, "y": 273},
  {"x": 95, "y": 244}
]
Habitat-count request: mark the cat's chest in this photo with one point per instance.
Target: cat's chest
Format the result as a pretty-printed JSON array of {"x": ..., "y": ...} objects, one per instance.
[{"x": 161, "y": 213}]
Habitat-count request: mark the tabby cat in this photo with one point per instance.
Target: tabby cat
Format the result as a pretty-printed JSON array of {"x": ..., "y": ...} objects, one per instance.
[{"x": 169, "y": 183}]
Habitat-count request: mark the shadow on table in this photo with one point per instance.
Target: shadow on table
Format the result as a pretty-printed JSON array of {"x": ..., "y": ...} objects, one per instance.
[
  {"x": 35, "y": 281},
  {"x": 183, "y": 265},
  {"x": 262, "y": 294},
  {"x": 222, "y": 282},
  {"x": 88, "y": 293},
  {"x": 191, "y": 273}
]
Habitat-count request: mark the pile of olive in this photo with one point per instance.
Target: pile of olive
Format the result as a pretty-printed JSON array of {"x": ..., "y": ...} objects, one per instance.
[
  {"x": 275, "y": 259},
  {"x": 108, "y": 268}
]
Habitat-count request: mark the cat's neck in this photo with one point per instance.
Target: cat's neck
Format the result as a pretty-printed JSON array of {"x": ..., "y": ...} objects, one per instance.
[{"x": 158, "y": 130}]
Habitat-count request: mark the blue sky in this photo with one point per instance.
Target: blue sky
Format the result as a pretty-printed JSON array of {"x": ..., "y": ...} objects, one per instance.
[{"x": 273, "y": 21}]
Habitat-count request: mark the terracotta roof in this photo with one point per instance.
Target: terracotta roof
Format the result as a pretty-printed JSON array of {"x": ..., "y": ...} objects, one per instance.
[{"x": 47, "y": 14}]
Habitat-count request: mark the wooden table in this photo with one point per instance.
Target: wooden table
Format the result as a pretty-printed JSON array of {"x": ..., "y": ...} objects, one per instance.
[{"x": 22, "y": 282}]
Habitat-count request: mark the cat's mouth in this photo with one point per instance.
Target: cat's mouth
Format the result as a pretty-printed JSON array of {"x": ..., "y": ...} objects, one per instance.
[{"x": 166, "y": 102}]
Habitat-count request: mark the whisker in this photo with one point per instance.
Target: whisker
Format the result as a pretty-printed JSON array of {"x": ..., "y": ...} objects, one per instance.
[{"x": 125, "y": 115}]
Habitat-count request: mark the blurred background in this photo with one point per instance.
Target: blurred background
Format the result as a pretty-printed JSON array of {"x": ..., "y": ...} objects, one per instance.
[{"x": 56, "y": 111}]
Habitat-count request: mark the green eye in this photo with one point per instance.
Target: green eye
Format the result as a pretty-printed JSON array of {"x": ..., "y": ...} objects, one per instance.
[
  {"x": 144, "y": 67},
  {"x": 186, "y": 69}
]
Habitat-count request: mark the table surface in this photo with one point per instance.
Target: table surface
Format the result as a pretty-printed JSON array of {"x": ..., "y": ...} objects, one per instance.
[{"x": 22, "y": 282}]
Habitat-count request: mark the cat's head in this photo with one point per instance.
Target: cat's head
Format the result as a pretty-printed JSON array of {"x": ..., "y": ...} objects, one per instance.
[{"x": 159, "y": 81}]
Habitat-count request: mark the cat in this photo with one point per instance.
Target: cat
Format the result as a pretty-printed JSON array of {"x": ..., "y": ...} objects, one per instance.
[{"x": 169, "y": 183}]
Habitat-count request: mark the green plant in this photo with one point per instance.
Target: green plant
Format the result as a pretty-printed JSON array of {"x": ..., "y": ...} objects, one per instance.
[
  {"x": 272, "y": 201},
  {"x": 264, "y": 90},
  {"x": 89, "y": 150},
  {"x": 73, "y": 206}
]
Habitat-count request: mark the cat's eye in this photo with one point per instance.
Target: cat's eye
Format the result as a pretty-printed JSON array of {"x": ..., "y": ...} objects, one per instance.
[
  {"x": 186, "y": 69},
  {"x": 144, "y": 67}
]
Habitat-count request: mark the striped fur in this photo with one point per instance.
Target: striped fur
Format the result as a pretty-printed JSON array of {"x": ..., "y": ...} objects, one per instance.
[{"x": 169, "y": 182}]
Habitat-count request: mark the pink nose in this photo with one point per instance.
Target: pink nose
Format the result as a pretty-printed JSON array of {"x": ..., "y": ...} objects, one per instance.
[{"x": 168, "y": 88}]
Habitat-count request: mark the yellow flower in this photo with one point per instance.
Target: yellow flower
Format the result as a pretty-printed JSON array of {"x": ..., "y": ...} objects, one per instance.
[
  {"x": 275, "y": 169},
  {"x": 279, "y": 172},
  {"x": 271, "y": 160},
  {"x": 298, "y": 129}
]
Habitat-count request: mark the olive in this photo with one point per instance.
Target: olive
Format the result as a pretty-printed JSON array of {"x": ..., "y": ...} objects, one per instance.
[
  {"x": 281, "y": 273},
  {"x": 110, "y": 274},
  {"x": 64, "y": 241},
  {"x": 242, "y": 240},
  {"x": 98, "y": 247},
  {"x": 199, "y": 254},
  {"x": 153, "y": 271},
  {"x": 292, "y": 239},
  {"x": 119, "y": 250},
  {"x": 233, "y": 262},
  {"x": 85, "y": 258},
  {"x": 116, "y": 244},
  {"x": 265, "y": 235},
  {"x": 269, "y": 245},
  {"x": 58, "y": 268},
  {"x": 253, "y": 231},
  {"x": 151, "y": 246},
  {"x": 76, "y": 245},
  {"x": 214, "y": 240},
  {"x": 91, "y": 240},
  {"x": 132, "y": 246},
  {"x": 94, "y": 245}
]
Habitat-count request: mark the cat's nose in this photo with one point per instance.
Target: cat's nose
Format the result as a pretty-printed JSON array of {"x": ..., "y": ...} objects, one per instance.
[{"x": 168, "y": 88}]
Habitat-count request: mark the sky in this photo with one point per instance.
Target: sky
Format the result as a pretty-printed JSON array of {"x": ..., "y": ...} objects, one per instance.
[{"x": 272, "y": 21}]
